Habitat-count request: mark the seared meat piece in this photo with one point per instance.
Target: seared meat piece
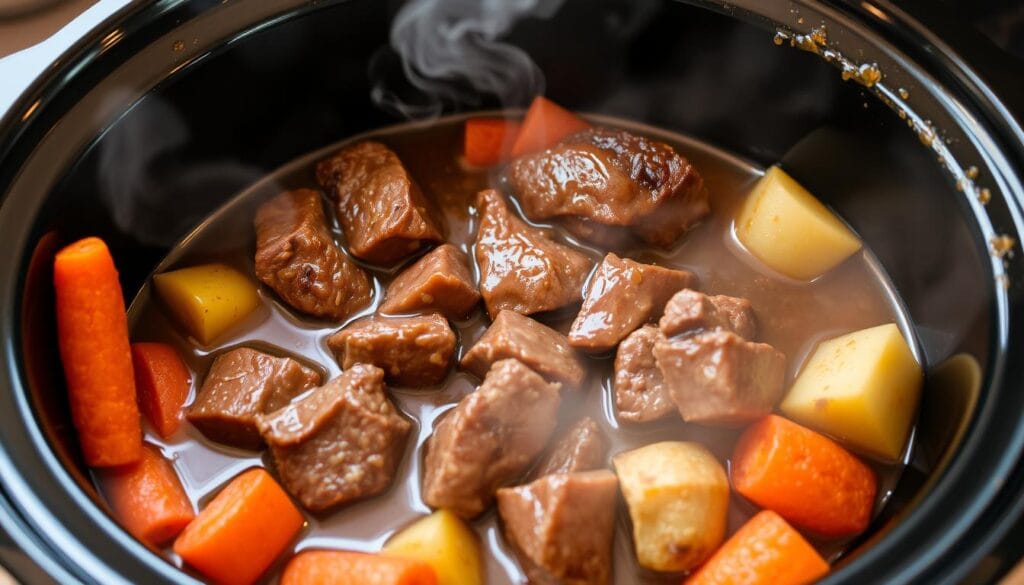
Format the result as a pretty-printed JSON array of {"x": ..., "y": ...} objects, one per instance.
[
  {"x": 623, "y": 295},
  {"x": 614, "y": 178},
  {"x": 717, "y": 377},
  {"x": 521, "y": 268},
  {"x": 412, "y": 351},
  {"x": 640, "y": 393},
  {"x": 689, "y": 310},
  {"x": 489, "y": 439},
  {"x": 342, "y": 442},
  {"x": 561, "y": 526},
  {"x": 296, "y": 256},
  {"x": 439, "y": 281},
  {"x": 381, "y": 209},
  {"x": 242, "y": 384},
  {"x": 540, "y": 347},
  {"x": 581, "y": 448}
]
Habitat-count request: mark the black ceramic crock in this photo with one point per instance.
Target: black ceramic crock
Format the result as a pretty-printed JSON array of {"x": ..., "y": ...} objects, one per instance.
[{"x": 172, "y": 106}]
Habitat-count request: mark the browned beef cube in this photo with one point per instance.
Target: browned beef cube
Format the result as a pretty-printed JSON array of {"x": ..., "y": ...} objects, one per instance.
[
  {"x": 614, "y": 178},
  {"x": 623, "y": 295},
  {"x": 381, "y": 209},
  {"x": 439, "y": 281},
  {"x": 540, "y": 347},
  {"x": 297, "y": 257},
  {"x": 489, "y": 439},
  {"x": 562, "y": 526},
  {"x": 342, "y": 442},
  {"x": 412, "y": 351},
  {"x": 521, "y": 268},
  {"x": 689, "y": 310},
  {"x": 717, "y": 377},
  {"x": 581, "y": 448},
  {"x": 242, "y": 384},
  {"x": 640, "y": 393}
]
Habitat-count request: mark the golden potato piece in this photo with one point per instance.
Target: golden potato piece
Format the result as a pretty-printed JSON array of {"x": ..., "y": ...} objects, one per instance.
[
  {"x": 445, "y": 543},
  {"x": 207, "y": 299}
]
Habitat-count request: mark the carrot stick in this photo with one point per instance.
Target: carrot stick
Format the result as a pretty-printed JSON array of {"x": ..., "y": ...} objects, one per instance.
[
  {"x": 92, "y": 331},
  {"x": 240, "y": 533},
  {"x": 806, "y": 477},
  {"x": 544, "y": 125},
  {"x": 147, "y": 497},
  {"x": 353, "y": 568},
  {"x": 764, "y": 551},
  {"x": 489, "y": 140},
  {"x": 162, "y": 381}
]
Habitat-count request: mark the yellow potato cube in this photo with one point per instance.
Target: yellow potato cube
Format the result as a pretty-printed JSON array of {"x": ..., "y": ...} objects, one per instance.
[
  {"x": 207, "y": 299},
  {"x": 444, "y": 542},
  {"x": 678, "y": 498},
  {"x": 862, "y": 388},
  {"x": 785, "y": 227}
]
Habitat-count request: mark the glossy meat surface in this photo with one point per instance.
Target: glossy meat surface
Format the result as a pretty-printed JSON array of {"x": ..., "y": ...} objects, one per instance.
[
  {"x": 439, "y": 281},
  {"x": 412, "y": 351},
  {"x": 690, "y": 310},
  {"x": 638, "y": 386}
]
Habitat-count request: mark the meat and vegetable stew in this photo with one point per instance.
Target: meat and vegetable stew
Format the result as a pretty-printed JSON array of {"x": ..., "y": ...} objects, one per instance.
[{"x": 494, "y": 351}]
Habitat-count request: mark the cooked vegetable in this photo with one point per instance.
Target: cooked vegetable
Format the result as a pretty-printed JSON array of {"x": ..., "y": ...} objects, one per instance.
[
  {"x": 544, "y": 125},
  {"x": 322, "y": 567},
  {"x": 92, "y": 330},
  {"x": 444, "y": 542},
  {"x": 678, "y": 498},
  {"x": 162, "y": 381},
  {"x": 489, "y": 140},
  {"x": 242, "y": 530},
  {"x": 207, "y": 299},
  {"x": 806, "y": 477},
  {"x": 791, "y": 231},
  {"x": 862, "y": 388},
  {"x": 764, "y": 551},
  {"x": 147, "y": 497}
]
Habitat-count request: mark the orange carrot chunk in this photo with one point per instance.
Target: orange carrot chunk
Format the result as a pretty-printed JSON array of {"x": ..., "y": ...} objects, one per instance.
[
  {"x": 162, "y": 381},
  {"x": 544, "y": 125},
  {"x": 353, "y": 568},
  {"x": 240, "y": 533},
  {"x": 92, "y": 331},
  {"x": 806, "y": 477},
  {"x": 764, "y": 551},
  {"x": 489, "y": 140},
  {"x": 147, "y": 497}
]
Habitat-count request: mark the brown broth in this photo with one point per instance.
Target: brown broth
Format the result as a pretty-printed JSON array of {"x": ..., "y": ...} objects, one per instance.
[{"x": 792, "y": 316}]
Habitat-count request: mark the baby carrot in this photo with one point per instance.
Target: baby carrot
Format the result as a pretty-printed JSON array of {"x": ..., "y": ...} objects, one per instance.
[
  {"x": 147, "y": 497},
  {"x": 764, "y": 551},
  {"x": 240, "y": 533},
  {"x": 354, "y": 568},
  {"x": 92, "y": 332},
  {"x": 162, "y": 381},
  {"x": 806, "y": 477},
  {"x": 545, "y": 124},
  {"x": 488, "y": 140}
]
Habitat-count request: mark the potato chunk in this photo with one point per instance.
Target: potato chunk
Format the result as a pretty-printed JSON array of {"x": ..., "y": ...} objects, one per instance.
[
  {"x": 862, "y": 388},
  {"x": 678, "y": 497},
  {"x": 207, "y": 299},
  {"x": 444, "y": 542},
  {"x": 784, "y": 226}
]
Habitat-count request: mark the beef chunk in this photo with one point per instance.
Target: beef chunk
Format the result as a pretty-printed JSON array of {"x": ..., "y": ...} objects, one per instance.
[
  {"x": 541, "y": 348},
  {"x": 623, "y": 295},
  {"x": 640, "y": 393},
  {"x": 489, "y": 439},
  {"x": 581, "y": 448},
  {"x": 242, "y": 384},
  {"x": 412, "y": 351},
  {"x": 342, "y": 442},
  {"x": 614, "y": 178},
  {"x": 717, "y": 377},
  {"x": 521, "y": 268},
  {"x": 689, "y": 310},
  {"x": 296, "y": 257},
  {"x": 381, "y": 209},
  {"x": 439, "y": 281},
  {"x": 561, "y": 526}
]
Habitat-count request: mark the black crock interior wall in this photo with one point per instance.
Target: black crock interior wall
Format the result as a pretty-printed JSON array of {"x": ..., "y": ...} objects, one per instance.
[{"x": 304, "y": 83}]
